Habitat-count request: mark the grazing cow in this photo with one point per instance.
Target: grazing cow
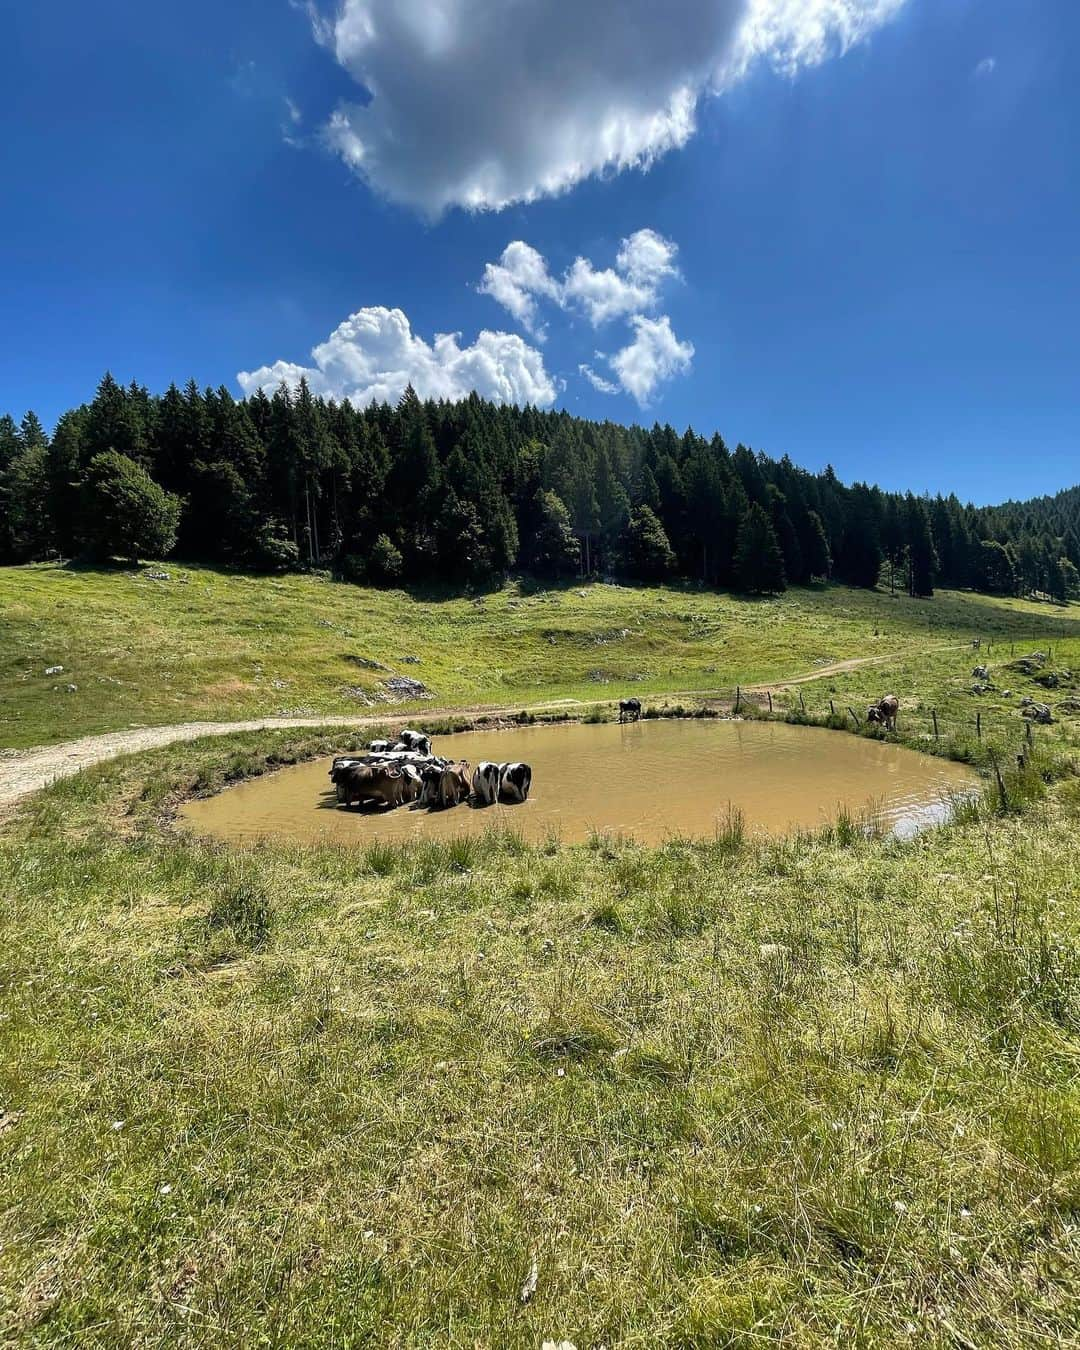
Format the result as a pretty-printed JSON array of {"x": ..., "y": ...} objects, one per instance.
[
  {"x": 629, "y": 709},
  {"x": 515, "y": 780},
  {"x": 485, "y": 783},
  {"x": 415, "y": 741},
  {"x": 884, "y": 712},
  {"x": 365, "y": 782}
]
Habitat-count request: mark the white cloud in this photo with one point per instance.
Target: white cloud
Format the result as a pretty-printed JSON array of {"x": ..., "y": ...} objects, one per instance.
[
  {"x": 792, "y": 34},
  {"x": 986, "y": 67},
  {"x": 478, "y": 104},
  {"x": 374, "y": 354},
  {"x": 655, "y": 356},
  {"x": 597, "y": 381},
  {"x": 521, "y": 277}
]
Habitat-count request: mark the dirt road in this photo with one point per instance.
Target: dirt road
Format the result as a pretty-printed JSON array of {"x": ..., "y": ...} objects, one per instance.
[{"x": 27, "y": 771}]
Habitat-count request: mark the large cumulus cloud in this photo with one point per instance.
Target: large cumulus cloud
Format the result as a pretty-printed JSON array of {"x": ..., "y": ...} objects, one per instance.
[
  {"x": 482, "y": 103},
  {"x": 375, "y": 354}
]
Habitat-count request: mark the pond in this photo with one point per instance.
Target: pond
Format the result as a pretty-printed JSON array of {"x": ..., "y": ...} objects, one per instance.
[{"x": 649, "y": 780}]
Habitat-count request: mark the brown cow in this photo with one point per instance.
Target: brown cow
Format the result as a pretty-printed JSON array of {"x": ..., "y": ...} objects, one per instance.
[
  {"x": 365, "y": 782},
  {"x": 447, "y": 786}
]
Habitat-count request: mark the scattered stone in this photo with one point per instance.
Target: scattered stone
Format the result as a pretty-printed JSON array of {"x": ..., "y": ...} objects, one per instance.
[
  {"x": 9, "y": 1119},
  {"x": 1069, "y": 705},
  {"x": 1029, "y": 665},
  {"x": 364, "y": 662},
  {"x": 409, "y": 660},
  {"x": 157, "y": 576},
  {"x": 73, "y": 688},
  {"x": 1038, "y": 712},
  {"x": 981, "y": 673},
  {"x": 54, "y": 670},
  {"x": 404, "y": 687}
]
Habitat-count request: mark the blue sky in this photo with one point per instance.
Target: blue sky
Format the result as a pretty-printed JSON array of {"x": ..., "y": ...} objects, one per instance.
[{"x": 873, "y": 254}]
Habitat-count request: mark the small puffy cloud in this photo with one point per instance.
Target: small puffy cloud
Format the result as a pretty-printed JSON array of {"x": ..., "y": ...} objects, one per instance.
[
  {"x": 479, "y": 105},
  {"x": 654, "y": 357},
  {"x": 597, "y": 381},
  {"x": 374, "y": 355},
  {"x": 521, "y": 277},
  {"x": 517, "y": 279},
  {"x": 985, "y": 68}
]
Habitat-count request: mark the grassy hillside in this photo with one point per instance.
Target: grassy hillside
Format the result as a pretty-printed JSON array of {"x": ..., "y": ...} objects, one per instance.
[
  {"x": 206, "y": 644},
  {"x": 805, "y": 1093},
  {"x": 811, "y": 1092}
]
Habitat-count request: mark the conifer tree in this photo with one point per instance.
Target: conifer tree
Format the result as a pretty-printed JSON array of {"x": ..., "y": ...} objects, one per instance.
[
  {"x": 647, "y": 549},
  {"x": 759, "y": 563}
]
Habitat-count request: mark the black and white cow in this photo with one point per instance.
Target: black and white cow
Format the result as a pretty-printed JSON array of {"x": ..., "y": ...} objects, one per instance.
[
  {"x": 515, "y": 780},
  {"x": 415, "y": 741},
  {"x": 413, "y": 784},
  {"x": 629, "y": 709},
  {"x": 379, "y": 747},
  {"x": 485, "y": 783}
]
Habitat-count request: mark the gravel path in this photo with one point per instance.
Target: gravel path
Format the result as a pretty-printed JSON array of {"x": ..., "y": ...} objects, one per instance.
[{"x": 26, "y": 771}]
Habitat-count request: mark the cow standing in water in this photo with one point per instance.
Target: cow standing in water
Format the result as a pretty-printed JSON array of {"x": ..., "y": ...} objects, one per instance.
[
  {"x": 485, "y": 783},
  {"x": 515, "y": 780},
  {"x": 629, "y": 709}
]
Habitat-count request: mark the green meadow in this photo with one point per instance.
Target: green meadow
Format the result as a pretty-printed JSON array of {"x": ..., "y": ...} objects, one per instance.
[
  {"x": 211, "y": 645},
  {"x": 810, "y": 1092}
]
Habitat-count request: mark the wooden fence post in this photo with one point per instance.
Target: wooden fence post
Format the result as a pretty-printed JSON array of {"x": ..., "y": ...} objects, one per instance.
[
  {"x": 1028, "y": 733},
  {"x": 978, "y": 725},
  {"x": 832, "y": 707},
  {"x": 802, "y": 703},
  {"x": 770, "y": 699},
  {"x": 855, "y": 717},
  {"x": 933, "y": 714},
  {"x": 738, "y": 699}
]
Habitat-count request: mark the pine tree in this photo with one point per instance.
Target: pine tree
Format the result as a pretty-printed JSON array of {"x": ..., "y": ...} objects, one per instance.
[
  {"x": 996, "y": 569},
  {"x": 10, "y": 441},
  {"x": 646, "y": 548},
  {"x": 815, "y": 546},
  {"x": 922, "y": 559},
  {"x": 551, "y": 548},
  {"x": 32, "y": 433},
  {"x": 759, "y": 563}
]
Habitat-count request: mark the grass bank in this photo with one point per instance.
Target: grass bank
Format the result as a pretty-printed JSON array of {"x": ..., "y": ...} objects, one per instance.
[
  {"x": 197, "y": 644},
  {"x": 805, "y": 1092}
]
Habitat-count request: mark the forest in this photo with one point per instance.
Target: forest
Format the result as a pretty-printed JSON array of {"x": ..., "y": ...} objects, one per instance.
[{"x": 466, "y": 492}]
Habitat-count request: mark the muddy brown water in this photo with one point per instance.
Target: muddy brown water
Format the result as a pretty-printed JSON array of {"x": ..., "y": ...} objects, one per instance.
[{"x": 650, "y": 780}]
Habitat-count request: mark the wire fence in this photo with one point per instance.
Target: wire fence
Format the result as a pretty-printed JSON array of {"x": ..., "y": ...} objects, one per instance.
[{"x": 916, "y": 720}]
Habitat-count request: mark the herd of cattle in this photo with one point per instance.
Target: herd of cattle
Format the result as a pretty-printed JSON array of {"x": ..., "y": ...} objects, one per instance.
[{"x": 407, "y": 772}]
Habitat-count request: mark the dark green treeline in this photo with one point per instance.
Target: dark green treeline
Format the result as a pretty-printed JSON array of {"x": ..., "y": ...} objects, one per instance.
[{"x": 466, "y": 491}]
